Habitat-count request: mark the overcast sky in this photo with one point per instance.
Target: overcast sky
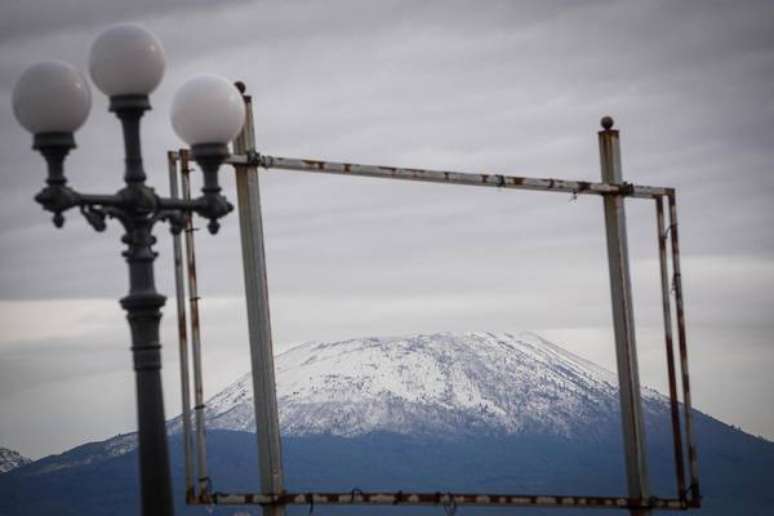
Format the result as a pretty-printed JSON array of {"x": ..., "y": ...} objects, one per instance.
[{"x": 511, "y": 87}]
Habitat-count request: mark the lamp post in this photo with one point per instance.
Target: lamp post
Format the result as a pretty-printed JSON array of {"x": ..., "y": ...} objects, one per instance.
[{"x": 52, "y": 100}]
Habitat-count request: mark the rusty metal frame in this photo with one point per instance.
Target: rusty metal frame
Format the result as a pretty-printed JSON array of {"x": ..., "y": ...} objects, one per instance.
[
  {"x": 182, "y": 332},
  {"x": 196, "y": 346},
  {"x": 267, "y": 428},
  {"x": 686, "y": 497},
  {"x": 357, "y": 497},
  {"x": 622, "y": 310},
  {"x": 495, "y": 180}
]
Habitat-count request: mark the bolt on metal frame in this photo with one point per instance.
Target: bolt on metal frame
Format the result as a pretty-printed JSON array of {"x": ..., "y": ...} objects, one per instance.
[{"x": 612, "y": 189}]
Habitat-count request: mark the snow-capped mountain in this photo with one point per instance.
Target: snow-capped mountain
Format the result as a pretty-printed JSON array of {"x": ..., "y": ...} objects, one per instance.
[
  {"x": 10, "y": 459},
  {"x": 443, "y": 384},
  {"x": 475, "y": 412}
]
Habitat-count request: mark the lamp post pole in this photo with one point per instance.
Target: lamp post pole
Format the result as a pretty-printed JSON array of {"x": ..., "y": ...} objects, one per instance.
[
  {"x": 52, "y": 100},
  {"x": 143, "y": 306}
]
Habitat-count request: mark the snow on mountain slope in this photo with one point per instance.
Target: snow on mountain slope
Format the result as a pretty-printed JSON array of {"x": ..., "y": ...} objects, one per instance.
[
  {"x": 441, "y": 384},
  {"x": 10, "y": 459}
]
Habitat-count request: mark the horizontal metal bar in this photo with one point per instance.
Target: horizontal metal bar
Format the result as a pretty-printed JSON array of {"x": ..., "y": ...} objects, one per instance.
[
  {"x": 185, "y": 205},
  {"x": 357, "y": 497},
  {"x": 442, "y": 176},
  {"x": 100, "y": 199},
  {"x": 165, "y": 203}
]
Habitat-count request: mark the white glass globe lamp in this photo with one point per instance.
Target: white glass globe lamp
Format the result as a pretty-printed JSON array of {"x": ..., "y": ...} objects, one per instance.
[
  {"x": 126, "y": 59},
  {"x": 51, "y": 97},
  {"x": 208, "y": 110}
]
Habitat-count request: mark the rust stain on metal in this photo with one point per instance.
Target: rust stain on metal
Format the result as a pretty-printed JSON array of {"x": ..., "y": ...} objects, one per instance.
[
  {"x": 182, "y": 335},
  {"x": 320, "y": 165},
  {"x": 667, "y": 315},
  {"x": 461, "y": 178},
  {"x": 682, "y": 346},
  {"x": 201, "y": 455},
  {"x": 438, "y": 498}
]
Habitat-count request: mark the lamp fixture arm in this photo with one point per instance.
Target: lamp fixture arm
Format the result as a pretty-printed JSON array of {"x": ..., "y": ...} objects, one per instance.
[{"x": 136, "y": 199}]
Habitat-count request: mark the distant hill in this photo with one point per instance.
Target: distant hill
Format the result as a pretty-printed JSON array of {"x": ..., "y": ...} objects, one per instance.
[
  {"x": 10, "y": 459},
  {"x": 442, "y": 412}
]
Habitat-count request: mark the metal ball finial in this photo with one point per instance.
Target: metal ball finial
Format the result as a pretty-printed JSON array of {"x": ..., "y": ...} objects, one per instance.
[{"x": 607, "y": 122}]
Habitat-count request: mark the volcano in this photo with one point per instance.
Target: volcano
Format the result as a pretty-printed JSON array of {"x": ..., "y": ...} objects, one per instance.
[{"x": 491, "y": 412}]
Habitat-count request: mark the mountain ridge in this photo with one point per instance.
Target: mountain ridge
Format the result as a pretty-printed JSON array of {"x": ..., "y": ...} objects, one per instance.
[
  {"x": 478, "y": 380},
  {"x": 11, "y": 459},
  {"x": 475, "y": 412}
]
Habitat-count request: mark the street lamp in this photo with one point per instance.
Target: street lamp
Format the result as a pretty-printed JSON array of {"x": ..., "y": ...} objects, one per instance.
[{"x": 52, "y": 100}]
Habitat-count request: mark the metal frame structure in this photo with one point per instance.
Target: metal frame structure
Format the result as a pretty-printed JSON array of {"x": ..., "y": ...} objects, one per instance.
[{"x": 613, "y": 190}]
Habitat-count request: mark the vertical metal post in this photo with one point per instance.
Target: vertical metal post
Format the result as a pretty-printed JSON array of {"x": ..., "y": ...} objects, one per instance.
[
  {"x": 693, "y": 461},
  {"x": 258, "y": 316},
  {"x": 196, "y": 345},
  {"x": 623, "y": 318},
  {"x": 182, "y": 333},
  {"x": 670, "y": 354}
]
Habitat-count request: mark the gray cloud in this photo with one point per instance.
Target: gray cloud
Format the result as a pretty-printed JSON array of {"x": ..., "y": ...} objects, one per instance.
[
  {"x": 32, "y": 18},
  {"x": 495, "y": 86}
]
